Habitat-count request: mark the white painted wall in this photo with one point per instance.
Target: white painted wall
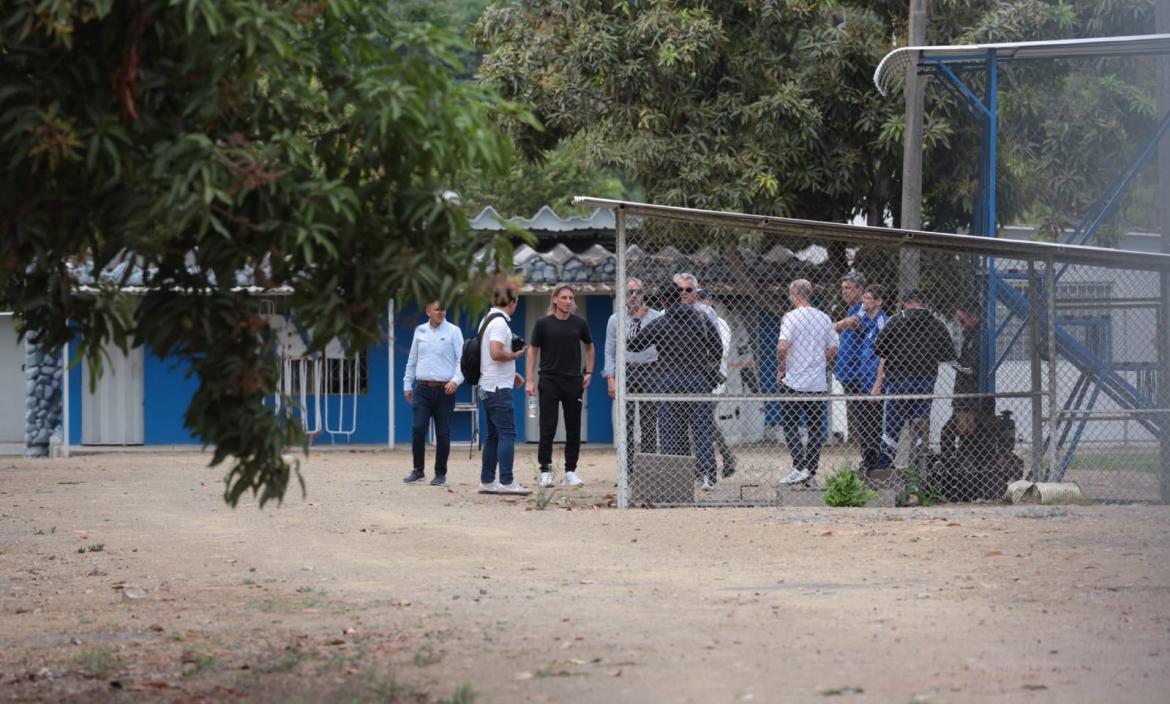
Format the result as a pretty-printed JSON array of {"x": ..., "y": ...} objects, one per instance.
[
  {"x": 11, "y": 382},
  {"x": 112, "y": 413}
]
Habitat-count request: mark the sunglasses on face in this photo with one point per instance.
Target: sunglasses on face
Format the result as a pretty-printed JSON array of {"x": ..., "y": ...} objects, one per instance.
[
  {"x": 633, "y": 291},
  {"x": 686, "y": 289}
]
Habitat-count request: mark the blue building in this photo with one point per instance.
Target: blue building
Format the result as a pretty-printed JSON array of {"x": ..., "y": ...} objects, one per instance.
[{"x": 141, "y": 399}]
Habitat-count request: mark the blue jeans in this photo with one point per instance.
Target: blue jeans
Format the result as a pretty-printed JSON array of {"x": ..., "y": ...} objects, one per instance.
[
  {"x": 500, "y": 445},
  {"x": 431, "y": 402},
  {"x": 898, "y": 412},
  {"x": 811, "y": 414},
  {"x": 675, "y": 418}
]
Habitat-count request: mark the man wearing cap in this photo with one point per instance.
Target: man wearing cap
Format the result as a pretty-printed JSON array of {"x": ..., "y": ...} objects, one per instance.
[
  {"x": 429, "y": 384},
  {"x": 911, "y": 346},
  {"x": 639, "y": 369}
]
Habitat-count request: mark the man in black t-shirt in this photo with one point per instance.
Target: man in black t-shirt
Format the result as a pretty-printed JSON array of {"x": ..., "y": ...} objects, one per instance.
[{"x": 556, "y": 341}]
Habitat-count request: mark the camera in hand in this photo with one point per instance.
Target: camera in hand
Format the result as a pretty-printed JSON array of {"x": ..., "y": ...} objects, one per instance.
[{"x": 518, "y": 343}]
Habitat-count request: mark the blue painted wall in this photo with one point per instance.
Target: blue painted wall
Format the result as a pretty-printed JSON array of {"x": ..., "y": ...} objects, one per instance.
[
  {"x": 600, "y": 416},
  {"x": 73, "y": 432},
  {"x": 167, "y": 393}
]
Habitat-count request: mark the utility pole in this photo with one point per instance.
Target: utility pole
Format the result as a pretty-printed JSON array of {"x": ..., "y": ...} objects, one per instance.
[
  {"x": 1162, "y": 329},
  {"x": 908, "y": 264}
]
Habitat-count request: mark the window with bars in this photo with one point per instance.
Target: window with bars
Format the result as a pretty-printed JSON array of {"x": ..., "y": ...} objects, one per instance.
[
  {"x": 338, "y": 375},
  {"x": 1090, "y": 325}
]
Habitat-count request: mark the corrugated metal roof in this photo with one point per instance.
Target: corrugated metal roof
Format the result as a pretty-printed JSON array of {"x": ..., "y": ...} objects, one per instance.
[
  {"x": 863, "y": 235},
  {"x": 545, "y": 220},
  {"x": 896, "y": 62}
]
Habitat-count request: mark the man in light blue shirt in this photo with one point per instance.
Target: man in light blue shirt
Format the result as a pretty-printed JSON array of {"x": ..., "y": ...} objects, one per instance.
[
  {"x": 639, "y": 369},
  {"x": 432, "y": 376}
]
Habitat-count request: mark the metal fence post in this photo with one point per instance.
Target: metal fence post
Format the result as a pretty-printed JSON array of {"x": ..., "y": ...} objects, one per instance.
[
  {"x": 1036, "y": 387},
  {"x": 1162, "y": 380},
  {"x": 1050, "y": 331},
  {"x": 619, "y": 307}
]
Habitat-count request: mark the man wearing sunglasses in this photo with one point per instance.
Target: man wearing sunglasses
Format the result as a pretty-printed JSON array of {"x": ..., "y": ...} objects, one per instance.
[
  {"x": 689, "y": 349},
  {"x": 687, "y": 287},
  {"x": 639, "y": 369}
]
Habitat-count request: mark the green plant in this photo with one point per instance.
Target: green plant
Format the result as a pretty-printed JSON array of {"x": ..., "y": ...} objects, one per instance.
[
  {"x": 426, "y": 655},
  {"x": 845, "y": 489},
  {"x": 913, "y": 494},
  {"x": 543, "y": 497},
  {"x": 201, "y": 663},
  {"x": 838, "y": 691},
  {"x": 98, "y": 661},
  {"x": 1052, "y": 512},
  {"x": 464, "y": 694}
]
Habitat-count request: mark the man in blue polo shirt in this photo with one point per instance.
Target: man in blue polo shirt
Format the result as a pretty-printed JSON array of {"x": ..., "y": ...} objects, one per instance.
[
  {"x": 432, "y": 376},
  {"x": 848, "y": 366}
]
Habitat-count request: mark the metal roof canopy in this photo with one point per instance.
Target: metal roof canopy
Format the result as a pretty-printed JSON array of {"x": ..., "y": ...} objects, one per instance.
[
  {"x": 897, "y": 60},
  {"x": 864, "y": 234}
]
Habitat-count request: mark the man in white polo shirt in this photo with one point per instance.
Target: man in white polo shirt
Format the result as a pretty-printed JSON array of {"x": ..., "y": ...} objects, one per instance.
[{"x": 497, "y": 380}]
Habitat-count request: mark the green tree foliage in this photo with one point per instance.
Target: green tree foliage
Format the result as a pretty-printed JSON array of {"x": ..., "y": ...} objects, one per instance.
[
  {"x": 552, "y": 179},
  {"x": 768, "y": 106},
  {"x": 310, "y": 142}
]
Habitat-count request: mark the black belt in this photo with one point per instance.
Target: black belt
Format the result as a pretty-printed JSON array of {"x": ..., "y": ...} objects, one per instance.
[{"x": 432, "y": 384}]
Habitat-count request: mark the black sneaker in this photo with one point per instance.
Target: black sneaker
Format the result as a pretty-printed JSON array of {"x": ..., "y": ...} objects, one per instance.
[
  {"x": 415, "y": 477},
  {"x": 728, "y": 468},
  {"x": 439, "y": 480}
]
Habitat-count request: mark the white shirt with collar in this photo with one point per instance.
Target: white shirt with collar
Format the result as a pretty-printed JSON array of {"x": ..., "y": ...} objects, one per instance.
[
  {"x": 494, "y": 375},
  {"x": 434, "y": 354}
]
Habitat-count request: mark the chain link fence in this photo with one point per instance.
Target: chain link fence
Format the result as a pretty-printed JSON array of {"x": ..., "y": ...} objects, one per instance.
[{"x": 756, "y": 362}]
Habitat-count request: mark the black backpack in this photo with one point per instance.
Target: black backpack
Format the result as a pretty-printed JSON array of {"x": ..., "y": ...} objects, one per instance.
[{"x": 469, "y": 363}]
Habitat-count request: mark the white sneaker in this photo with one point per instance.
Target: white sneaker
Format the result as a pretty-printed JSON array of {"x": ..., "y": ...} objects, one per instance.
[
  {"x": 493, "y": 488},
  {"x": 571, "y": 479},
  {"x": 514, "y": 488},
  {"x": 546, "y": 479},
  {"x": 708, "y": 485},
  {"x": 796, "y": 476}
]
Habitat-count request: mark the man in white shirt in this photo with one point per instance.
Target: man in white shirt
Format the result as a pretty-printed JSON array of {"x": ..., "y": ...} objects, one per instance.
[
  {"x": 432, "y": 376},
  {"x": 806, "y": 347},
  {"x": 497, "y": 379},
  {"x": 721, "y": 446}
]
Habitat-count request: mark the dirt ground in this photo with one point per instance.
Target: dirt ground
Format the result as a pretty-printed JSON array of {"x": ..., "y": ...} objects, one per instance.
[{"x": 124, "y": 577}]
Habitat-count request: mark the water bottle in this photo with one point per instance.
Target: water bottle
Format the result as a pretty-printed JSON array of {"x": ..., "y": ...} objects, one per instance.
[{"x": 532, "y": 407}]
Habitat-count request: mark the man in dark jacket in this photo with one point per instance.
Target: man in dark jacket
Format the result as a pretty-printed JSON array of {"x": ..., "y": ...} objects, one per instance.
[
  {"x": 687, "y": 344},
  {"x": 910, "y": 346},
  {"x": 969, "y": 415}
]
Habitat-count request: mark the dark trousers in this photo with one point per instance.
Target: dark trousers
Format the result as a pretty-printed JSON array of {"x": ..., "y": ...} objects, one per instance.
[
  {"x": 639, "y": 380},
  {"x": 898, "y": 412},
  {"x": 431, "y": 402},
  {"x": 555, "y": 392},
  {"x": 812, "y": 414},
  {"x": 865, "y": 422},
  {"x": 676, "y": 418}
]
